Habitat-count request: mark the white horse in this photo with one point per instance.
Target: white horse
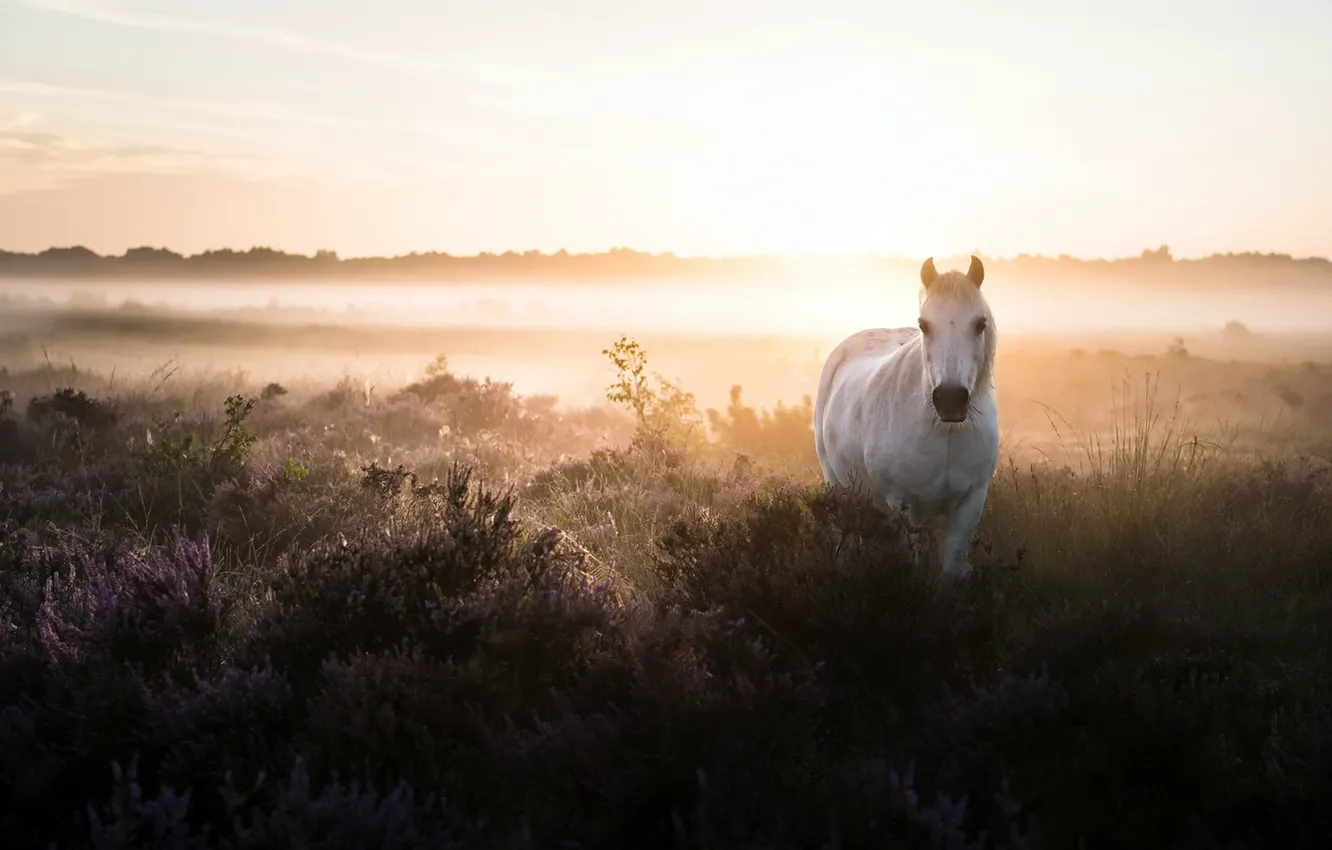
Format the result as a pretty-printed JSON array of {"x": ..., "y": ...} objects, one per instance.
[{"x": 910, "y": 414}]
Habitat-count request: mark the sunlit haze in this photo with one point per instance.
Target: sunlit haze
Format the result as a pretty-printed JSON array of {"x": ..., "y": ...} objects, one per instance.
[{"x": 719, "y": 127}]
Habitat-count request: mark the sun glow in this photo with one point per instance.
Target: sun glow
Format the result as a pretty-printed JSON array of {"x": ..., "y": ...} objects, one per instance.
[
  {"x": 695, "y": 128},
  {"x": 833, "y": 158},
  {"x": 827, "y": 168}
]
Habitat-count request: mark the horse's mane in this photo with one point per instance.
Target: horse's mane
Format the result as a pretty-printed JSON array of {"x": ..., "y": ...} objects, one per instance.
[{"x": 954, "y": 286}]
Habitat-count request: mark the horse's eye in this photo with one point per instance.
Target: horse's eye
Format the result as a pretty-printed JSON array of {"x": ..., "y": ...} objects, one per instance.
[
  {"x": 924, "y": 326},
  {"x": 981, "y": 325}
]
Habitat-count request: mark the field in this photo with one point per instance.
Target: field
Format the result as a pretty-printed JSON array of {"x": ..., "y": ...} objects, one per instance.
[{"x": 412, "y": 606}]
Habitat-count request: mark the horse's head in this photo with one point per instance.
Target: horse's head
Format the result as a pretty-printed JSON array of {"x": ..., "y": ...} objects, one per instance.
[{"x": 958, "y": 338}]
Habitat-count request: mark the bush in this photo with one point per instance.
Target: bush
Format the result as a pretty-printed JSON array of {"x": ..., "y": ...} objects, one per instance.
[{"x": 784, "y": 436}]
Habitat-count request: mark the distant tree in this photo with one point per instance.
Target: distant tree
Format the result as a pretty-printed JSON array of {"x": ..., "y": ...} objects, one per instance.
[
  {"x": 76, "y": 253},
  {"x": 146, "y": 254},
  {"x": 615, "y": 263}
]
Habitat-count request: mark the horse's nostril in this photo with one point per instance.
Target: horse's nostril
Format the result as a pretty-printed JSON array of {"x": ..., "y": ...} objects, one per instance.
[{"x": 950, "y": 400}]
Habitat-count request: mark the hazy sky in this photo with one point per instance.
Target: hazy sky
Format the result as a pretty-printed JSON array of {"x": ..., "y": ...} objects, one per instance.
[{"x": 699, "y": 126}]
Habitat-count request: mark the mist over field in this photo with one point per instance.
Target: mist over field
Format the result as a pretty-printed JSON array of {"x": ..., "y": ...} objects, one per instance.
[{"x": 1214, "y": 332}]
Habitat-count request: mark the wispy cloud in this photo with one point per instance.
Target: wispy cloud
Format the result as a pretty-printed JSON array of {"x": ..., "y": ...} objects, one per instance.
[
  {"x": 255, "y": 111},
  {"x": 261, "y": 127},
  {"x": 35, "y": 148},
  {"x": 33, "y": 159},
  {"x": 454, "y": 134},
  {"x": 21, "y": 120},
  {"x": 113, "y": 13}
]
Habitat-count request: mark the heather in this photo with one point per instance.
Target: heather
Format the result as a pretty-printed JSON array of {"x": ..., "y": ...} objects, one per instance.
[{"x": 240, "y": 614}]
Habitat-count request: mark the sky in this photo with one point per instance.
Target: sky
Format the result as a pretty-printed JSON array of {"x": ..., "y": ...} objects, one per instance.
[{"x": 714, "y": 127}]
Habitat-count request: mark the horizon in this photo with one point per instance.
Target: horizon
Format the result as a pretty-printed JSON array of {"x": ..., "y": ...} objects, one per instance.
[
  {"x": 1161, "y": 254},
  {"x": 702, "y": 130},
  {"x": 624, "y": 288}
]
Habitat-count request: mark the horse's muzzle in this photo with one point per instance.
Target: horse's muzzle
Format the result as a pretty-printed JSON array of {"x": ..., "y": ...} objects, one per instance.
[{"x": 951, "y": 402}]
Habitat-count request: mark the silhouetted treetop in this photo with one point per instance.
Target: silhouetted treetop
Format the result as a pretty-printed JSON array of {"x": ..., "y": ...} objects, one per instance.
[{"x": 618, "y": 263}]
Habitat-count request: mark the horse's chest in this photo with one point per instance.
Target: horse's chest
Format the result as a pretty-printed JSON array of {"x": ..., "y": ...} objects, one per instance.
[
  {"x": 928, "y": 478},
  {"x": 933, "y": 490}
]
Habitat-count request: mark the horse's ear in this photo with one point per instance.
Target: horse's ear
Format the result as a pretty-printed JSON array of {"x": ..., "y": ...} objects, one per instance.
[
  {"x": 977, "y": 271},
  {"x": 927, "y": 272}
]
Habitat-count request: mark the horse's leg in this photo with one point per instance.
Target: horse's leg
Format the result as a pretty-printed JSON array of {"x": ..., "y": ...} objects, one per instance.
[
  {"x": 820, "y": 452},
  {"x": 962, "y": 521},
  {"x": 920, "y": 531}
]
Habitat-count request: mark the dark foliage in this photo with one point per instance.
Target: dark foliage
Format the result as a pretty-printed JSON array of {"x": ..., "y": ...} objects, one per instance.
[
  {"x": 315, "y": 656},
  {"x": 615, "y": 264},
  {"x": 89, "y": 413}
]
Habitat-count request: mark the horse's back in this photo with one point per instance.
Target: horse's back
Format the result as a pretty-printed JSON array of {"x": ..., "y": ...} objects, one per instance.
[
  {"x": 867, "y": 345},
  {"x": 874, "y": 341},
  {"x": 855, "y": 357}
]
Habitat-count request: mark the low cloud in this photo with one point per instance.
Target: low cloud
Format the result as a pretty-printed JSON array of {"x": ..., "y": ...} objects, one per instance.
[
  {"x": 251, "y": 111},
  {"x": 36, "y": 159},
  {"x": 115, "y": 14},
  {"x": 35, "y": 149}
]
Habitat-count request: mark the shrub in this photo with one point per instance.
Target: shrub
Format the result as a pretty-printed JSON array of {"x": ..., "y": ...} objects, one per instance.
[
  {"x": 89, "y": 413},
  {"x": 784, "y": 436},
  {"x": 665, "y": 415},
  {"x": 147, "y": 610}
]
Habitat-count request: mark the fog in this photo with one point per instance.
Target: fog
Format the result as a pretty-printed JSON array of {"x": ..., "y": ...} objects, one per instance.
[
  {"x": 805, "y": 308},
  {"x": 1062, "y": 346}
]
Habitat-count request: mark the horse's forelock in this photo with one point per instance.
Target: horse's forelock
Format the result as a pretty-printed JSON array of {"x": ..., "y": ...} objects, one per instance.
[{"x": 954, "y": 287}]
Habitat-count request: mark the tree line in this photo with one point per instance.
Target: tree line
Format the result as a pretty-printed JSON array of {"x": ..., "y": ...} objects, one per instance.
[{"x": 617, "y": 263}]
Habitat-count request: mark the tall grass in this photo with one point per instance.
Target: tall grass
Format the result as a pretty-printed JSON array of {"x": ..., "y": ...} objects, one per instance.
[{"x": 1155, "y": 496}]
